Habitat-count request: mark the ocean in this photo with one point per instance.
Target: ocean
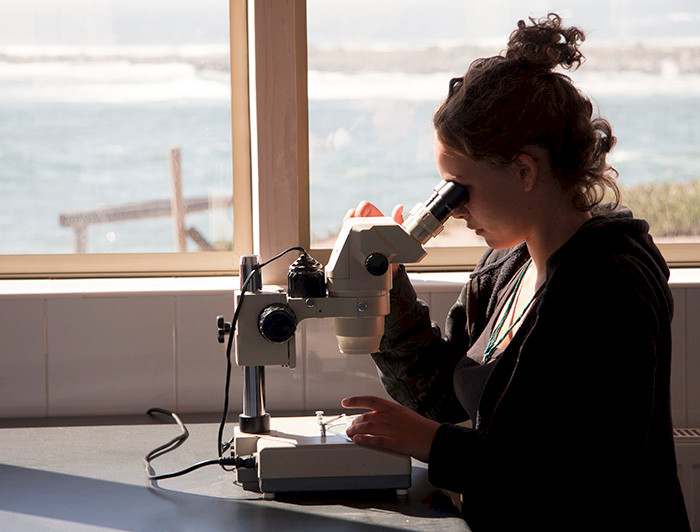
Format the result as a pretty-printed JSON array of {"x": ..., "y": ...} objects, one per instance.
[
  {"x": 85, "y": 131},
  {"x": 383, "y": 150}
]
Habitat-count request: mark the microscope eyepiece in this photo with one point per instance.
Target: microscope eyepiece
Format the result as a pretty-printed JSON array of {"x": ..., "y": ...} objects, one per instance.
[
  {"x": 447, "y": 197},
  {"x": 426, "y": 219}
]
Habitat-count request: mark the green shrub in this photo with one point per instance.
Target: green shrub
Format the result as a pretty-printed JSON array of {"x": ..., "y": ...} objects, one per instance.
[{"x": 672, "y": 209}]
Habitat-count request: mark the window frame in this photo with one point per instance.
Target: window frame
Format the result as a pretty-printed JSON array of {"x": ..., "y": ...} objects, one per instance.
[
  {"x": 102, "y": 265},
  {"x": 270, "y": 167},
  {"x": 465, "y": 258}
]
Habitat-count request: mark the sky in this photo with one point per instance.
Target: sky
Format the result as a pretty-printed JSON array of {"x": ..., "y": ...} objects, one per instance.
[
  {"x": 113, "y": 22},
  {"x": 488, "y": 20},
  {"x": 335, "y": 22}
]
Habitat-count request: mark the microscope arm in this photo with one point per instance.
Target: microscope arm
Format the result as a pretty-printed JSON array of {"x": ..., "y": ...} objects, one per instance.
[
  {"x": 358, "y": 280},
  {"x": 354, "y": 292}
]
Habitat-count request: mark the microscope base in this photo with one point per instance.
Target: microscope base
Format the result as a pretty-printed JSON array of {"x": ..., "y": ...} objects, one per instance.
[{"x": 294, "y": 456}]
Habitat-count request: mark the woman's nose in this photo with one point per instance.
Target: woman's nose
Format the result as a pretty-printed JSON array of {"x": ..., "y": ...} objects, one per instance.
[{"x": 461, "y": 212}]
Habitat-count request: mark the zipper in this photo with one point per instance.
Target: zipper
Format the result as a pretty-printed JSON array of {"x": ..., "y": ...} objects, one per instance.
[
  {"x": 512, "y": 375},
  {"x": 466, "y": 309}
]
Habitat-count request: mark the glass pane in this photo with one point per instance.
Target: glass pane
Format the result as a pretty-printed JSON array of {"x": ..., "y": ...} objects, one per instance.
[
  {"x": 95, "y": 93},
  {"x": 378, "y": 70},
  {"x": 656, "y": 119}
]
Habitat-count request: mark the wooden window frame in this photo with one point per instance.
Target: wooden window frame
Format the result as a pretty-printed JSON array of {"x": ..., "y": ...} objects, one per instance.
[
  {"x": 269, "y": 109},
  {"x": 100, "y": 265},
  {"x": 464, "y": 258}
]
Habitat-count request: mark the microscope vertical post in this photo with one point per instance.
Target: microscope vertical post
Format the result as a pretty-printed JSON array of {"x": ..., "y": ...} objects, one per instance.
[{"x": 254, "y": 419}]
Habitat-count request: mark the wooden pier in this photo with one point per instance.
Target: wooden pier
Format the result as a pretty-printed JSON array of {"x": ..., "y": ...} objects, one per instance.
[
  {"x": 80, "y": 220},
  {"x": 176, "y": 207}
]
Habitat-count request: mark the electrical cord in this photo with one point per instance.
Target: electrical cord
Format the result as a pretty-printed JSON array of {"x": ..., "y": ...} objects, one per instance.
[
  {"x": 179, "y": 440},
  {"x": 172, "y": 444},
  {"x": 235, "y": 461},
  {"x": 223, "y": 447}
]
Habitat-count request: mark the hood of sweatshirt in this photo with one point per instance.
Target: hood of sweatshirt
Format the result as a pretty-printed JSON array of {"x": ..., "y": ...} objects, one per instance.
[
  {"x": 611, "y": 232},
  {"x": 618, "y": 233}
]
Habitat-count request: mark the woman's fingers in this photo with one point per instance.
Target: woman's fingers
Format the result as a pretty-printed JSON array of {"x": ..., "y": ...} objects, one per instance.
[
  {"x": 369, "y": 422},
  {"x": 375, "y": 422},
  {"x": 397, "y": 214},
  {"x": 370, "y": 402},
  {"x": 370, "y": 431},
  {"x": 365, "y": 209},
  {"x": 390, "y": 426},
  {"x": 369, "y": 428},
  {"x": 376, "y": 442}
]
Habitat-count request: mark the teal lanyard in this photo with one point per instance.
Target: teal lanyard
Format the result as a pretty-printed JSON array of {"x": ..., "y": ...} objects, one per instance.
[{"x": 495, "y": 339}]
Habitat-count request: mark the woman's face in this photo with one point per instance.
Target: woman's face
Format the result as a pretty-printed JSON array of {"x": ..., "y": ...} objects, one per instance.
[{"x": 498, "y": 205}]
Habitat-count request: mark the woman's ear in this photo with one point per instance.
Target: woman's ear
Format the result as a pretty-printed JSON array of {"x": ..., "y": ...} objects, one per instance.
[{"x": 526, "y": 166}]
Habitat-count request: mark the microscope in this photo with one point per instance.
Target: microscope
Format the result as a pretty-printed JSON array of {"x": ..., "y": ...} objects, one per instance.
[{"x": 313, "y": 453}]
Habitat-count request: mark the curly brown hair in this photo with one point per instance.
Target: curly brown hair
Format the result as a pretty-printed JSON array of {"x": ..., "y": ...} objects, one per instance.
[{"x": 506, "y": 102}]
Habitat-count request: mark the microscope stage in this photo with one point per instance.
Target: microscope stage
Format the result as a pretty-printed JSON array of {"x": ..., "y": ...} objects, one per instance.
[{"x": 295, "y": 456}]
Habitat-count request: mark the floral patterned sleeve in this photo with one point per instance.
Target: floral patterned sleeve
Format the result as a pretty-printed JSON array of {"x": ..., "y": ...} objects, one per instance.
[{"x": 416, "y": 363}]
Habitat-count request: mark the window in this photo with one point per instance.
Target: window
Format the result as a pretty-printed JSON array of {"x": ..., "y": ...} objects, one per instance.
[
  {"x": 117, "y": 136},
  {"x": 377, "y": 71},
  {"x": 329, "y": 101}
]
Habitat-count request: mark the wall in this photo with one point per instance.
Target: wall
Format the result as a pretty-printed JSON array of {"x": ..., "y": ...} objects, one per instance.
[{"x": 72, "y": 347}]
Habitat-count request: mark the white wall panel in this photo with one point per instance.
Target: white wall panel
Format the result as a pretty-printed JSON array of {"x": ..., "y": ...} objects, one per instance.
[
  {"x": 110, "y": 355},
  {"x": 22, "y": 358}
]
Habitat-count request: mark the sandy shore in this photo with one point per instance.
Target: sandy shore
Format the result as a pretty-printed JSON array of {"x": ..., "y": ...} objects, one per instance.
[{"x": 650, "y": 58}]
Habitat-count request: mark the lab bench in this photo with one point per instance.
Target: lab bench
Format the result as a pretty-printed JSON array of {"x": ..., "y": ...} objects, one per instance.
[{"x": 83, "y": 474}]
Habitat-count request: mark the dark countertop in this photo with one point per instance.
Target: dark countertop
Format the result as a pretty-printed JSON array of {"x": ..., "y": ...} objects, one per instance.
[{"x": 88, "y": 474}]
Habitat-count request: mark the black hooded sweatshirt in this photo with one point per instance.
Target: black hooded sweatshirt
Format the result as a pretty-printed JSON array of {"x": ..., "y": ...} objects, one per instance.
[{"x": 573, "y": 430}]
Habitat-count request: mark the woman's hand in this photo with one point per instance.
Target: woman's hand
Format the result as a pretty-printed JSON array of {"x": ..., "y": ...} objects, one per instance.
[
  {"x": 365, "y": 209},
  {"x": 391, "y": 427}
]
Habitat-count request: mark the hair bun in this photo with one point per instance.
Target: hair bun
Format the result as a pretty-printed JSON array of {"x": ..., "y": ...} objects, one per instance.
[{"x": 546, "y": 44}]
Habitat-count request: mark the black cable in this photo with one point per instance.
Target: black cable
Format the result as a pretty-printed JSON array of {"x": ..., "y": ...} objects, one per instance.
[
  {"x": 223, "y": 447},
  {"x": 179, "y": 440},
  {"x": 172, "y": 444},
  {"x": 215, "y": 461},
  {"x": 234, "y": 461},
  {"x": 230, "y": 461}
]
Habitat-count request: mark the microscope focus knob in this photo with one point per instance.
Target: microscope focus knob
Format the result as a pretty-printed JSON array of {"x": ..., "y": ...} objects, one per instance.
[
  {"x": 277, "y": 323},
  {"x": 223, "y": 328},
  {"x": 376, "y": 264}
]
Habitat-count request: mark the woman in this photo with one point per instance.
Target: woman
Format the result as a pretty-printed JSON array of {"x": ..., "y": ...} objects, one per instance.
[{"x": 558, "y": 349}]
